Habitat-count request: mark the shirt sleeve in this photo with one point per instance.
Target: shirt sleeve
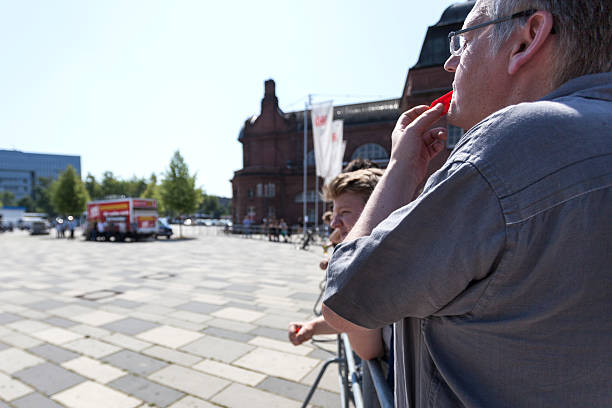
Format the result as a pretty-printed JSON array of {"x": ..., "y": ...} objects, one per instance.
[{"x": 427, "y": 258}]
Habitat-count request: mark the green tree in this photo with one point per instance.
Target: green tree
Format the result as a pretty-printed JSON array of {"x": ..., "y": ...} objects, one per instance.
[
  {"x": 7, "y": 198},
  {"x": 42, "y": 196},
  {"x": 94, "y": 189},
  {"x": 153, "y": 190},
  {"x": 111, "y": 185},
  {"x": 27, "y": 203},
  {"x": 68, "y": 194},
  {"x": 178, "y": 191},
  {"x": 211, "y": 206},
  {"x": 134, "y": 187}
]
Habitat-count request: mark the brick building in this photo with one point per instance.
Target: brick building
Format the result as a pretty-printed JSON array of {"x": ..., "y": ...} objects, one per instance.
[{"x": 270, "y": 183}]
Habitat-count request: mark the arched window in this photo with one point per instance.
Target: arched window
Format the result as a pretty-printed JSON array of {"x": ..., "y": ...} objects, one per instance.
[{"x": 372, "y": 151}]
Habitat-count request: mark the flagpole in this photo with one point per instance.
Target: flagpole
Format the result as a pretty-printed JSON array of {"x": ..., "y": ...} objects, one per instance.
[
  {"x": 305, "y": 165},
  {"x": 316, "y": 220}
]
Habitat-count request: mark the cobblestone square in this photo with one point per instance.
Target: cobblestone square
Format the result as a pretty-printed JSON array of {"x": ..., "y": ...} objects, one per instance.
[{"x": 197, "y": 322}]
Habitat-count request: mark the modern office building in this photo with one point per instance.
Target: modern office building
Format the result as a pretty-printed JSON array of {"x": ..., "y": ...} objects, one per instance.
[
  {"x": 20, "y": 171},
  {"x": 270, "y": 183}
]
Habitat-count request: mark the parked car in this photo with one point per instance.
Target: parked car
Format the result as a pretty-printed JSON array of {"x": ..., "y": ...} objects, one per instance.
[
  {"x": 39, "y": 227},
  {"x": 163, "y": 229}
]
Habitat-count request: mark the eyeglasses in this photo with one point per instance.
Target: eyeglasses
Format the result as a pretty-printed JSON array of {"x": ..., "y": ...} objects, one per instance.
[{"x": 457, "y": 41}]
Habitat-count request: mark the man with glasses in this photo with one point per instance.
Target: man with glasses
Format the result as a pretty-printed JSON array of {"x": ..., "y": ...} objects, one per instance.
[{"x": 499, "y": 275}]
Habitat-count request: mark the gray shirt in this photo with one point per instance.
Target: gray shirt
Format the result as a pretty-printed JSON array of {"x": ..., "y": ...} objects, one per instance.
[{"x": 499, "y": 276}]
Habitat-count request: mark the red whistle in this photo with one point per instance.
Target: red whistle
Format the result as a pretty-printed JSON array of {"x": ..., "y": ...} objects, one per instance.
[
  {"x": 297, "y": 329},
  {"x": 444, "y": 100}
]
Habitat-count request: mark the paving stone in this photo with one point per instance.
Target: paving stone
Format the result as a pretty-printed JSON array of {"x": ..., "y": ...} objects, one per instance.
[
  {"x": 310, "y": 297},
  {"x": 182, "y": 324},
  {"x": 93, "y": 369},
  {"x": 239, "y": 296},
  {"x": 284, "y": 346},
  {"x": 48, "y": 378},
  {"x": 127, "y": 342},
  {"x": 146, "y": 390},
  {"x": 28, "y": 326},
  {"x": 134, "y": 362},
  {"x": 231, "y": 325},
  {"x": 172, "y": 356},
  {"x": 170, "y": 301},
  {"x": 276, "y": 334},
  {"x": 11, "y": 389},
  {"x": 274, "y": 321},
  {"x": 234, "y": 313},
  {"x": 169, "y": 336},
  {"x": 321, "y": 354},
  {"x": 90, "y": 331},
  {"x": 210, "y": 284},
  {"x": 92, "y": 395},
  {"x": 284, "y": 365},
  {"x": 210, "y": 299},
  {"x": 230, "y": 372},
  {"x": 130, "y": 326},
  {"x": 35, "y": 400},
  {"x": 60, "y": 322},
  {"x": 192, "y": 402},
  {"x": 199, "y": 307},
  {"x": 155, "y": 309},
  {"x": 189, "y": 381},
  {"x": 190, "y": 316},
  {"x": 228, "y": 334},
  {"x": 57, "y": 335},
  {"x": 20, "y": 340},
  {"x": 242, "y": 288},
  {"x": 92, "y": 348},
  {"x": 246, "y": 306},
  {"x": 13, "y": 360},
  {"x": 299, "y": 392},
  {"x": 328, "y": 382},
  {"x": 218, "y": 349},
  {"x": 71, "y": 311},
  {"x": 128, "y": 304},
  {"x": 45, "y": 305},
  {"x": 239, "y": 396},
  {"x": 145, "y": 316},
  {"x": 53, "y": 353},
  {"x": 97, "y": 318}
]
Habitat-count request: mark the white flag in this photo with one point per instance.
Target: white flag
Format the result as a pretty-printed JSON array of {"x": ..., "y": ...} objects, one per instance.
[
  {"x": 322, "y": 116},
  {"x": 338, "y": 147}
]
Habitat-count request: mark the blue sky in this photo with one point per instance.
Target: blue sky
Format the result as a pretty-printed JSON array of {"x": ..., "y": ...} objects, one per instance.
[{"x": 125, "y": 83}]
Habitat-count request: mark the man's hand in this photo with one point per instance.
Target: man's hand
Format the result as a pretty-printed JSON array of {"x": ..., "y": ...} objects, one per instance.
[{"x": 413, "y": 143}]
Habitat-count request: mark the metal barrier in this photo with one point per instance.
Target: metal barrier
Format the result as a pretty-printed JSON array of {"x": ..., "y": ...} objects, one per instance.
[
  {"x": 383, "y": 391},
  {"x": 348, "y": 375}
]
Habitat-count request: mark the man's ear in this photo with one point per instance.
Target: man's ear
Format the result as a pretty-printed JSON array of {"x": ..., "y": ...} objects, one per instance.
[{"x": 530, "y": 39}]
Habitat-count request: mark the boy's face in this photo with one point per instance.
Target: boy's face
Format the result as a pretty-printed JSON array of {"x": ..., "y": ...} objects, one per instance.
[{"x": 347, "y": 208}]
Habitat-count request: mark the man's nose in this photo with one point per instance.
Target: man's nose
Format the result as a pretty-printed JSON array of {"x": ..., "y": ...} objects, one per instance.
[{"x": 451, "y": 63}]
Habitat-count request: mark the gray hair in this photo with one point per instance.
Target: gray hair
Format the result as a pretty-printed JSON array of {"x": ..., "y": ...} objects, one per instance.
[{"x": 583, "y": 27}]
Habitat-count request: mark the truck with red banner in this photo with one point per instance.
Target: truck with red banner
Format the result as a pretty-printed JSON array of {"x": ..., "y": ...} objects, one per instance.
[{"x": 118, "y": 219}]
